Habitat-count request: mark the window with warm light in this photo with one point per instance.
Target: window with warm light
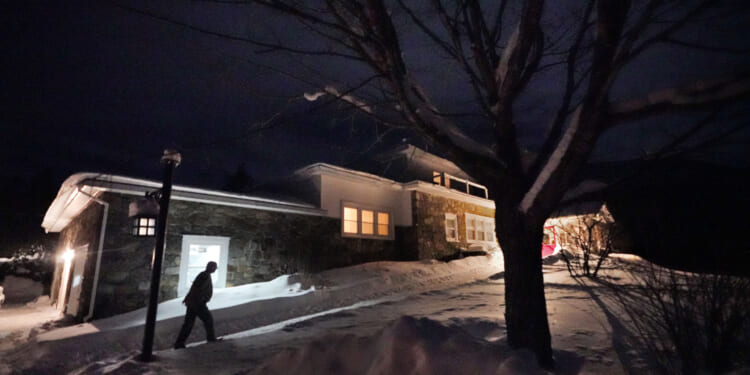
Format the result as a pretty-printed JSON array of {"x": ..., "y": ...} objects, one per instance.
[
  {"x": 480, "y": 228},
  {"x": 350, "y": 220},
  {"x": 451, "y": 227},
  {"x": 144, "y": 226},
  {"x": 383, "y": 223},
  {"x": 366, "y": 222}
]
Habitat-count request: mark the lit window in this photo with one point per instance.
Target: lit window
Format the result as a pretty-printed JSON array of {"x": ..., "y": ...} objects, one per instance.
[
  {"x": 383, "y": 223},
  {"x": 144, "y": 226},
  {"x": 350, "y": 220},
  {"x": 366, "y": 222},
  {"x": 480, "y": 228},
  {"x": 471, "y": 231},
  {"x": 451, "y": 227}
]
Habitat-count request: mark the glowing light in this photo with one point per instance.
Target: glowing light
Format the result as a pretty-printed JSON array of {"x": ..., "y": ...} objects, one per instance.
[{"x": 68, "y": 255}]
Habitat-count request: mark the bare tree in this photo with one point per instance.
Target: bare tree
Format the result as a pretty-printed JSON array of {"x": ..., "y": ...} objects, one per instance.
[
  {"x": 588, "y": 240},
  {"x": 504, "y": 51}
]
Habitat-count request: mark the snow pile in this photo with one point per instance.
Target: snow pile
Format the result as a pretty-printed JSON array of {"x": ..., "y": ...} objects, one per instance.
[
  {"x": 407, "y": 346},
  {"x": 20, "y": 289},
  {"x": 280, "y": 287}
]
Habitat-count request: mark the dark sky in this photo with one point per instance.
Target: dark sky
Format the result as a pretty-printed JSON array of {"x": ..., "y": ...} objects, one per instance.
[{"x": 89, "y": 86}]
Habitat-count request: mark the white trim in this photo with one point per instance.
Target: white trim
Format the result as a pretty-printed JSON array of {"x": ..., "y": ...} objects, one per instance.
[
  {"x": 100, "y": 249},
  {"x": 375, "y": 210},
  {"x": 451, "y": 216},
  {"x": 221, "y": 272},
  {"x": 69, "y": 202},
  {"x": 442, "y": 191}
]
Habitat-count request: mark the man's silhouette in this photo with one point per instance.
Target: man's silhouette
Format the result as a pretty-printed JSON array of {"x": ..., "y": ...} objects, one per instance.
[{"x": 197, "y": 298}]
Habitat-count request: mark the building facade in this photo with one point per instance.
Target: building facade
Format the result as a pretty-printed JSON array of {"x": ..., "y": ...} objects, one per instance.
[{"x": 334, "y": 217}]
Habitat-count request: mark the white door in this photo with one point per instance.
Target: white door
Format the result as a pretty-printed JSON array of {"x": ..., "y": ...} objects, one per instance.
[{"x": 197, "y": 251}]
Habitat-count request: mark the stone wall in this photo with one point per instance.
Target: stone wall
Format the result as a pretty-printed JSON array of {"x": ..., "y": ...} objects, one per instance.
[
  {"x": 125, "y": 270},
  {"x": 429, "y": 218},
  {"x": 263, "y": 245}
]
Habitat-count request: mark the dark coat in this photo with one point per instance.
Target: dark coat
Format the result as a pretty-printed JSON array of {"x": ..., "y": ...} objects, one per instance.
[{"x": 201, "y": 291}]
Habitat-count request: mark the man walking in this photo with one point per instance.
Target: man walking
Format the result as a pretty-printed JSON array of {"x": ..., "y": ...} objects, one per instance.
[{"x": 197, "y": 298}]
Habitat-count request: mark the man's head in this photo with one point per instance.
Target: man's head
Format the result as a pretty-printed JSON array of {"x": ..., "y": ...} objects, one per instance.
[{"x": 211, "y": 267}]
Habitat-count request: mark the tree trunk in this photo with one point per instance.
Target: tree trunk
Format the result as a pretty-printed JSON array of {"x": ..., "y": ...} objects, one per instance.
[{"x": 525, "y": 305}]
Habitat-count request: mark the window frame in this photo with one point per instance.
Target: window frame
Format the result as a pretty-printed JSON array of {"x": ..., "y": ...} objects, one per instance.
[
  {"x": 376, "y": 211},
  {"x": 136, "y": 226},
  {"x": 451, "y": 216},
  {"x": 485, "y": 224}
]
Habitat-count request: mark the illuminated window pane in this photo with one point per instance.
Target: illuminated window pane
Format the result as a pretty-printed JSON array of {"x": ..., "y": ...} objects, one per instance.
[
  {"x": 436, "y": 178},
  {"x": 142, "y": 231},
  {"x": 383, "y": 218},
  {"x": 480, "y": 236},
  {"x": 350, "y": 213},
  {"x": 451, "y": 227},
  {"x": 368, "y": 222},
  {"x": 383, "y": 221},
  {"x": 152, "y": 222},
  {"x": 143, "y": 222},
  {"x": 350, "y": 220},
  {"x": 151, "y": 231}
]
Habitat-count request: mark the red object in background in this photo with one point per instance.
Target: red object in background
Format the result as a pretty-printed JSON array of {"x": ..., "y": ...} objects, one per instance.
[{"x": 549, "y": 242}]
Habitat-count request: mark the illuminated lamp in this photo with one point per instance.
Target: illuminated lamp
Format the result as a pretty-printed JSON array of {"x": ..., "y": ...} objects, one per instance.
[
  {"x": 68, "y": 255},
  {"x": 143, "y": 213}
]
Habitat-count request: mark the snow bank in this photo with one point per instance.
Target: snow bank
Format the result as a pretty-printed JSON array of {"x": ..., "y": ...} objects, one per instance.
[
  {"x": 407, "y": 346},
  {"x": 20, "y": 289},
  {"x": 280, "y": 287}
]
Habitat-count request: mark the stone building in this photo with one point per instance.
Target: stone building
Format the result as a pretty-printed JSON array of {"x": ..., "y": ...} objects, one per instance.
[{"x": 418, "y": 206}]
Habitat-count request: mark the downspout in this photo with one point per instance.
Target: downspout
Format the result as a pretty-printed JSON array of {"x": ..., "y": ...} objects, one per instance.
[{"x": 98, "y": 252}]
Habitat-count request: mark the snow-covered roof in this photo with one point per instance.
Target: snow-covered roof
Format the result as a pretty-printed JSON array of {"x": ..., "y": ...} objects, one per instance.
[
  {"x": 416, "y": 185},
  {"x": 77, "y": 191},
  {"x": 333, "y": 170}
]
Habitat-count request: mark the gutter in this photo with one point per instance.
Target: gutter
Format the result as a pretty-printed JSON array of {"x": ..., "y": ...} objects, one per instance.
[{"x": 102, "y": 231}]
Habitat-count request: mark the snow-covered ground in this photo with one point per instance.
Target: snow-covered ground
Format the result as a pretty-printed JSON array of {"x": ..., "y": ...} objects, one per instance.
[{"x": 376, "y": 318}]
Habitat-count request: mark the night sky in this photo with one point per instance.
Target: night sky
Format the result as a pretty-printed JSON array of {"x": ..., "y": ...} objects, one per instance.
[{"x": 91, "y": 86}]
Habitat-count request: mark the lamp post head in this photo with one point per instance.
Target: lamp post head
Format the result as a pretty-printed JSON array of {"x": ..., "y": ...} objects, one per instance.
[{"x": 171, "y": 156}]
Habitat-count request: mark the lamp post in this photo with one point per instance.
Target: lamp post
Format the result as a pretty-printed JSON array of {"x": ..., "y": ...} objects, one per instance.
[{"x": 171, "y": 159}]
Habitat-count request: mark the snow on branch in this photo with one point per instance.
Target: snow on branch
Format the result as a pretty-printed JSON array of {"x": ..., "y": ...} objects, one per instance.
[
  {"x": 552, "y": 163},
  {"x": 698, "y": 95},
  {"x": 330, "y": 90}
]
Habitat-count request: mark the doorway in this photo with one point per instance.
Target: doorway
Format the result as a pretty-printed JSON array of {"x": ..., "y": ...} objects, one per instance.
[{"x": 196, "y": 252}]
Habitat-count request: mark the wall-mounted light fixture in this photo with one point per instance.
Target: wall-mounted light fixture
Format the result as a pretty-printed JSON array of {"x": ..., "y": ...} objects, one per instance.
[{"x": 143, "y": 213}]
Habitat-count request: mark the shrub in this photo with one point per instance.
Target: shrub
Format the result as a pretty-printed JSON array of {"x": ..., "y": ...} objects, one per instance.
[{"x": 689, "y": 323}]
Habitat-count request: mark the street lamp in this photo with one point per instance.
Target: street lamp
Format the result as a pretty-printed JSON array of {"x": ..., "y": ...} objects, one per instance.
[{"x": 171, "y": 159}]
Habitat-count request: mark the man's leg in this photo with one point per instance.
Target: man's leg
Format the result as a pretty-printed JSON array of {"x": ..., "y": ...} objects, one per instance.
[
  {"x": 187, "y": 326},
  {"x": 208, "y": 321}
]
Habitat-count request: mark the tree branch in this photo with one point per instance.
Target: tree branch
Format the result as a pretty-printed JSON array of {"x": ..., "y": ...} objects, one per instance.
[{"x": 698, "y": 95}]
